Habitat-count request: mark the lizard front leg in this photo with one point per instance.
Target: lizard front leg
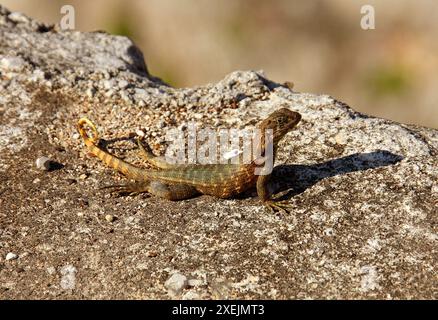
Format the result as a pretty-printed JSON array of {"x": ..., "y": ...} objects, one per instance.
[{"x": 265, "y": 196}]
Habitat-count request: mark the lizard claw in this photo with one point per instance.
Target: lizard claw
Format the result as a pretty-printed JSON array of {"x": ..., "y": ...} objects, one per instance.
[{"x": 278, "y": 206}]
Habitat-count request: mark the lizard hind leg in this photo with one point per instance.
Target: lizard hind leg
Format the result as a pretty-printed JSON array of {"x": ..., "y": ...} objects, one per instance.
[
  {"x": 153, "y": 160},
  {"x": 172, "y": 191},
  {"x": 133, "y": 188},
  {"x": 156, "y": 188},
  {"x": 146, "y": 154}
]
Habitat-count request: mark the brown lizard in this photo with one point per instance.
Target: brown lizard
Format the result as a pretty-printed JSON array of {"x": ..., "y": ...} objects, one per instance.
[{"x": 182, "y": 181}]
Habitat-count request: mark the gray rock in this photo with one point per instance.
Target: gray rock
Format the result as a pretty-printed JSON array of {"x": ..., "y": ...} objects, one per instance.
[
  {"x": 176, "y": 283},
  {"x": 11, "y": 256},
  {"x": 363, "y": 190},
  {"x": 43, "y": 163}
]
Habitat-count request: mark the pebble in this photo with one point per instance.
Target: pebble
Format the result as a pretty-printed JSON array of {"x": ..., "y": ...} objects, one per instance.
[
  {"x": 195, "y": 282},
  {"x": 140, "y": 133},
  {"x": 83, "y": 176},
  {"x": 12, "y": 63},
  {"x": 108, "y": 84},
  {"x": 11, "y": 256},
  {"x": 340, "y": 138},
  {"x": 123, "y": 84},
  {"x": 90, "y": 92},
  {"x": 110, "y": 218},
  {"x": 43, "y": 163},
  {"x": 18, "y": 17},
  {"x": 176, "y": 283}
]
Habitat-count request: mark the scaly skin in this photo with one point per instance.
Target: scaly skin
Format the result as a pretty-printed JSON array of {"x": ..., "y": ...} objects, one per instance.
[{"x": 177, "y": 182}]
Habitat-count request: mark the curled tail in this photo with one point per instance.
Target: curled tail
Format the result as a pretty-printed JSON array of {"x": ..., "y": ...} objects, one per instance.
[
  {"x": 87, "y": 140},
  {"x": 111, "y": 161}
]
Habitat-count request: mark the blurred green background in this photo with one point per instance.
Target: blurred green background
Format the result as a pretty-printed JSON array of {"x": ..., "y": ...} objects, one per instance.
[{"x": 390, "y": 72}]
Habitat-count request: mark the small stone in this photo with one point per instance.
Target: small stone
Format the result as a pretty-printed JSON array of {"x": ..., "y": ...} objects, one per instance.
[
  {"x": 90, "y": 92},
  {"x": 11, "y": 256},
  {"x": 176, "y": 283},
  {"x": 36, "y": 180},
  {"x": 195, "y": 282},
  {"x": 43, "y": 163},
  {"x": 140, "y": 133},
  {"x": 18, "y": 17},
  {"x": 123, "y": 84},
  {"x": 12, "y": 63},
  {"x": 340, "y": 138},
  {"x": 108, "y": 84},
  {"x": 83, "y": 176},
  {"x": 110, "y": 218}
]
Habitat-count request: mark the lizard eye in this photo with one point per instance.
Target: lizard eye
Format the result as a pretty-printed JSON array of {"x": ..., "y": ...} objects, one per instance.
[{"x": 280, "y": 121}]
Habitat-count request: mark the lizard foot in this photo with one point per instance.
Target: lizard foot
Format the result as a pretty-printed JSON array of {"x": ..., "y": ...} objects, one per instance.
[
  {"x": 278, "y": 206},
  {"x": 131, "y": 189}
]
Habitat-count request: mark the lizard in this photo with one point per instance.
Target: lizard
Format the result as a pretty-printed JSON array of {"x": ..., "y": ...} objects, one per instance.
[{"x": 183, "y": 181}]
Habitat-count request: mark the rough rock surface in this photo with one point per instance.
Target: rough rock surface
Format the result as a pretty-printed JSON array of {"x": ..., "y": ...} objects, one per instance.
[{"x": 364, "y": 190}]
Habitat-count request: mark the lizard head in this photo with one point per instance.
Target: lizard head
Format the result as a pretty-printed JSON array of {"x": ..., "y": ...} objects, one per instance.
[{"x": 281, "y": 122}]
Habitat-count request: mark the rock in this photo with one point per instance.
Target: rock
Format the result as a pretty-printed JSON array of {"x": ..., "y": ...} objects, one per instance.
[
  {"x": 43, "y": 163},
  {"x": 195, "y": 282},
  {"x": 68, "y": 277},
  {"x": 83, "y": 176},
  {"x": 11, "y": 256},
  {"x": 176, "y": 283},
  {"x": 90, "y": 92},
  {"x": 46, "y": 164},
  {"x": 110, "y": 218},
  {"x": 140, "y": 133},
  {"x": 11, "y": 64},
  {"x": 362, "y": 190},
  {"x": 123, "y": 84}
]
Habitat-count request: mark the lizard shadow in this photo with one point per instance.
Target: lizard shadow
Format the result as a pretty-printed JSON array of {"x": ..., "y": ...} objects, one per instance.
[{"x": 291, "y": 180}]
